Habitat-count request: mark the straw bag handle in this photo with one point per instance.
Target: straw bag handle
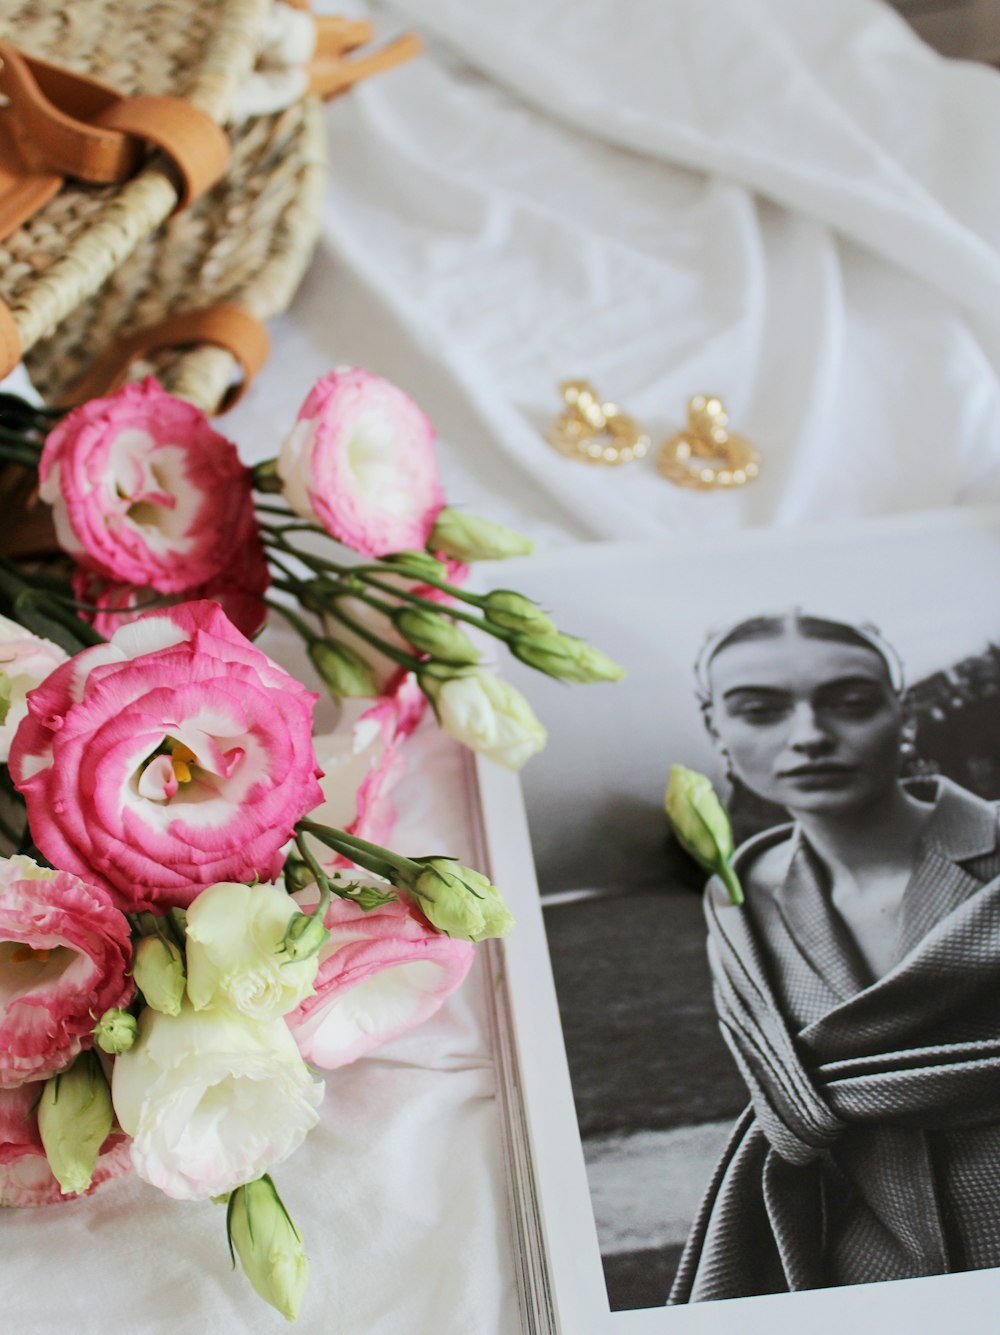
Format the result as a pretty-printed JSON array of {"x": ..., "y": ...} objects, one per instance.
[{"x": 224, "y": 325}]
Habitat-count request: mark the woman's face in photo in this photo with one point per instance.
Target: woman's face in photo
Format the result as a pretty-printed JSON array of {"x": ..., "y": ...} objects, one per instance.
[{"x": 811, "y": 724}]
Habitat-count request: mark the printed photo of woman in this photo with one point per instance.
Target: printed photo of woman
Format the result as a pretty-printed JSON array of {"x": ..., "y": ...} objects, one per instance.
[{"x": 857, "y": 987}]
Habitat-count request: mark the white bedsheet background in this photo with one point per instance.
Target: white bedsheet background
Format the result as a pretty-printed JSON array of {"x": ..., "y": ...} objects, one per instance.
[{"x": 791, "y": 203}]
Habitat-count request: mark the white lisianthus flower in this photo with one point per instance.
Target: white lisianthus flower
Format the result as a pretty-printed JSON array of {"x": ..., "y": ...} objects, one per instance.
[
  {"x": 212, "y": 1100},
  {"x": 234, "y": 956},
  {"x": 487, "y": 714}
]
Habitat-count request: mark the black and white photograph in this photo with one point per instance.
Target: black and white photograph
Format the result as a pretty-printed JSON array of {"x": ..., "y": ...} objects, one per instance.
[{"x": 803, "y": 1091}]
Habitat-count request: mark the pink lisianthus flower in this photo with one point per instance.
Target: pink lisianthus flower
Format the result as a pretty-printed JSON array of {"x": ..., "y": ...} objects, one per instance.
[
  {"x": 362, "y": 761},
  {"x": 25, "y": 661},
  {"x": 25, "y": 1176},
  {"x": 175, "y": 756},
  {"x": 238, "y": 589},
  {"x": 381, "y": 973},
  {"x": 144, "y": 491},
  {"x": 64, "y": 959},
  {"x": 360, "y": 461}
]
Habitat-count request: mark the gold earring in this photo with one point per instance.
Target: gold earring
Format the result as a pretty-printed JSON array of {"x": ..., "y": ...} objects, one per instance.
[
  {"x": 706, "y": 455},
  {"x": 595, "y": 432}
]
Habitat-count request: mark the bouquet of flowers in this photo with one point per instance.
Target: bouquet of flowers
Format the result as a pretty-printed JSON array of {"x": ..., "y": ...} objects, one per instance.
[{"x": 193, "y": 882}]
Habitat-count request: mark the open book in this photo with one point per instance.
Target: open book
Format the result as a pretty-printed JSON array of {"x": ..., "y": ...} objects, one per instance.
[{"x": 848, "y": 1132}]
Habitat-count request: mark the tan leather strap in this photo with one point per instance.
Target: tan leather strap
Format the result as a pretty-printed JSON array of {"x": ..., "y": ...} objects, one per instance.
[
  {"x": 47, "y": 114},
  {"x": 197, "y": 148},
  {"x": 330, "y": 73},
  {"x": 63, "y": 124},
  {"x": 225, "y": 326},
  {"x": 10, "y": 341}
]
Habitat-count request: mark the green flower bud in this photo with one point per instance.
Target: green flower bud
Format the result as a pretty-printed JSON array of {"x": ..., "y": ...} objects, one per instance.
[
  {"x": 262, "y": 1234},
  {"x": 417, "y": 565},
  {"x": 158, "y": 970},
  {"x": 566, "y": 657},
  {"x": 700, "y": 823},
  {"x": 115, "y": 1031},
  {"x": 460, "y": 901},
  {"x": 512, "y": 611},
  {"x": 304, "y": 936},
  {"x": 265, "y": 477},
  {"x": 466, "y": 538},
  {"x": 342, "y": 669},
  {"x": 434, "y": 634},
  {"x": 298, "y": 874},
  {"x": 74, "y": 1120}
]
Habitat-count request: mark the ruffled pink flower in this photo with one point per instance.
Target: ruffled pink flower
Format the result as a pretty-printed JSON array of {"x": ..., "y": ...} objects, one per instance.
[
  {"x": 64, "y": 959},
  {"x": 239, "y": 590},
  {"x": 25, "y": 1176},
  {"x": 381, "y": 973},
  {"x": 360, "y": 460},
  {"x": 144, "y": 491},
  {"x": 362, "y": 761},
  {"x": 175, "y": 756}
]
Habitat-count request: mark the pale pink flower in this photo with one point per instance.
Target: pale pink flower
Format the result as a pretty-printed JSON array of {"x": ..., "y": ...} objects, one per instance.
[
  {"x": 381, "y": 973},
  {"x": 175, "y": 756},
  {"x": 144, "y": 490},
  {"x": 360, "y": 460},
  {"x": 25, "y": 1176},
  {"x": 25, "y": 661},
  {"x": 64, "y": 959},
  {"x": 362, "y": 761}
]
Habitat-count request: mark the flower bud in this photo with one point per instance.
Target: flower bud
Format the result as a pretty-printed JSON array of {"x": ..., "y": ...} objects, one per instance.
[
  {"x": 566, "y": 658},
  {"x": 74, "y": 1121},
  {"x": 701, "y": 826},
  {"x": 467, "y": 538},
  {"x": 460, "y": 901},
  {"x": 512, "y": 611},
  {"x": 434, "y": 634},
  {"x": 417, "y": 565},
  {"x": 115, "y": 1031},
  {"x": 269, "y": 1245},
  {"x": 158, "y": 970},
  {"x": 298, "y": 874},
  {"x": 265, "y": 477},
  {"x": 486, "y": 713},
  {"x": 304, "y": 936},
  {"x": 342, "y": 669}
]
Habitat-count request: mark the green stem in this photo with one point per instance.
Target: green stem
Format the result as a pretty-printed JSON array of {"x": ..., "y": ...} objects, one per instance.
[
  {"x": 429, "y": 604},
  {"x": 372, "y": 857},
  {"x": 404, "y": 660},
  {"x": 293, "y": 619}
]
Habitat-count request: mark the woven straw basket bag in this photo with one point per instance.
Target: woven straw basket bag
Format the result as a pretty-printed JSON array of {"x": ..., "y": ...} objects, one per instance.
[
  {"x": 104, "y": 281},
  {"x": 173, "y": 60}
]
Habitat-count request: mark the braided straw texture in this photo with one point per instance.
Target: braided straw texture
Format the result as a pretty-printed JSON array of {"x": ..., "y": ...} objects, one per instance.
[
  {"x": 247, "y": 241},
  {"x": 197, "y": 49}
]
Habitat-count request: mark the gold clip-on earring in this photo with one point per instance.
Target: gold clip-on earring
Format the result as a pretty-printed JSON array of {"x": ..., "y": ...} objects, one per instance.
[
  {"x": 595, "y": 432},
  {"x": 706, "y": 455}
]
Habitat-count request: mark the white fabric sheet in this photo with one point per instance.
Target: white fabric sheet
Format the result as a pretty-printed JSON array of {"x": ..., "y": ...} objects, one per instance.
[{"x": 790, "y": 203}]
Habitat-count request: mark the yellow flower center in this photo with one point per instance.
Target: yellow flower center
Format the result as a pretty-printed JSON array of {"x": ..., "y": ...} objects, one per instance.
[{"x": 181, "y": 759}]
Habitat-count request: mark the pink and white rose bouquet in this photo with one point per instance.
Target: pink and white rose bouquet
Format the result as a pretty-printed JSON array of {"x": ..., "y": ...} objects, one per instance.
[{"x": 220, "y": 909}]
